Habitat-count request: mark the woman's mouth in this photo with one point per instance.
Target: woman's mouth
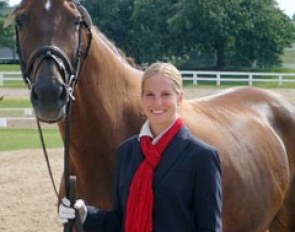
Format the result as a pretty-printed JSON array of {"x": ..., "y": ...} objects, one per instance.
[{"x": 158, "y": 111}]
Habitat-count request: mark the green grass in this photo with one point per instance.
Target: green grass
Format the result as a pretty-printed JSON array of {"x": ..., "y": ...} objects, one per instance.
[
  {"x": 14, "y": 84},
  {"x": 28, "y": 139},
  {"x": 17, "y": 139},
  {"x": 9, "y": 67},
  {"x": 15, "y": 103}
]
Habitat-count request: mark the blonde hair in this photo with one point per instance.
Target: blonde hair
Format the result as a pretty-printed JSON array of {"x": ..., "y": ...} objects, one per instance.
[{"x": 166, "y": 69}]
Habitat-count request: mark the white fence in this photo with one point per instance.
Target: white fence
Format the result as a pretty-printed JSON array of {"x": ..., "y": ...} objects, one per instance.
[
  {"x": 10, "y": 76},
  {"x": 20, "y": 118},
  {"x": 248, "y": 77},
  {"x": 25, "y": 116},
  {"x": 9, "y": 116},
  {"x": 195, "y": 76}
]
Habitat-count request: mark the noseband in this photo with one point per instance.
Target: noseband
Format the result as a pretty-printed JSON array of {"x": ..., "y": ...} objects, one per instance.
[{"x": 59, "y": 58}]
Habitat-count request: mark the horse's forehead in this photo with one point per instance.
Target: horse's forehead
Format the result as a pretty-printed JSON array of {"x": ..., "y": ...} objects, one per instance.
[
  {"x": 46, "y": 13},
  {"x": 44, "y": 5},
  {"x": 46, "y": 21},
  {"x": 47, "y": 5}
]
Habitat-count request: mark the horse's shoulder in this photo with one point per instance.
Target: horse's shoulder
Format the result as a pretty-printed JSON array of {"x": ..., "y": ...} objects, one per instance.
[{"x": 195, "y": 141}]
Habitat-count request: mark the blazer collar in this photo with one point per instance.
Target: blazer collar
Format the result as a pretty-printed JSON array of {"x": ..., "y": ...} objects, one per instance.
[
  {"x": 146, "y": 131},
  {"x": 170, "y": 156}
]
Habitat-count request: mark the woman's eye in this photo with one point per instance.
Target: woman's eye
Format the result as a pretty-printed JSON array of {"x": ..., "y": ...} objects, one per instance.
[{"x": 166, "y": 94}]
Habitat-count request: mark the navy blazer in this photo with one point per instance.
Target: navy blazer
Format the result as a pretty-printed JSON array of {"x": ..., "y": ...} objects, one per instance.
[{"x": 187, "y": 188}]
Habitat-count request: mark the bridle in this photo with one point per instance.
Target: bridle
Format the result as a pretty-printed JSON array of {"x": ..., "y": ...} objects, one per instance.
[{"x": 70, "y": 73}]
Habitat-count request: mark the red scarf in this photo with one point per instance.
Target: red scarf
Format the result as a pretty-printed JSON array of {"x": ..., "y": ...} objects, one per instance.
[{"x": 139, "y": 215}]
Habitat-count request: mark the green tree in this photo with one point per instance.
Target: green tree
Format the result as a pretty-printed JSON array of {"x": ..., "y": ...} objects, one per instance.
[
  {"x": 134, "y": 25},
  {"x": 264, "y": 36},
  {"x": 222, "y": 33},
  {"x": 150, "y": 34},
  {"x": 236, "y": 31},
  {"x": 113, "y": 17},
  {"x": 6, "y": 34},
  {"x": 206, "y": 26}
]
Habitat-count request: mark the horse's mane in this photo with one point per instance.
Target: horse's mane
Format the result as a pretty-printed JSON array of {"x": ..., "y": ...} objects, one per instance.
[{"x": 111, "y": 45}]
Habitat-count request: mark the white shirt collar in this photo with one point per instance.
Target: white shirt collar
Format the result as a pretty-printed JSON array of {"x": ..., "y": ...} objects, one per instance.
[{"x": 146, "y": 131}]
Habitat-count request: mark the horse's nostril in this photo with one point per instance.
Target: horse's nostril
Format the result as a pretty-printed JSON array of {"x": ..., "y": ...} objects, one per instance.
[
  {"x": 34, "y": 97},
  {"x": 63, "y": 94}
]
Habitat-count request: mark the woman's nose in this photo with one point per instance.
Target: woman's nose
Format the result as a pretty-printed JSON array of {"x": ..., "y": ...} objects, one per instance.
[{"x": 157, "y": 100}]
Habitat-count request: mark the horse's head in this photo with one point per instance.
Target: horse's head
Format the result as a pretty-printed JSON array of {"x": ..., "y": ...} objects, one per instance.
[{"x": 51, "y": 39}]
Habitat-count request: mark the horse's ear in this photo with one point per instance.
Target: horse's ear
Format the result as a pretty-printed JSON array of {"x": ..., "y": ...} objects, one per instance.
[
  {"x": 10, "y": 19},
  {"x": 86, "y": 16}
]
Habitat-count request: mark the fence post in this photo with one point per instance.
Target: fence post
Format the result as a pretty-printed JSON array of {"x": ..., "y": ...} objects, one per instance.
[
  {"x": 3, "y": 122},
  {"x": 195, "y": 78},
  {"x": 218, "y": 79},
  {"x": 1, "y": 79},
  {"x": 250, "y": 80},
  {"x": 280, "y": 80}
]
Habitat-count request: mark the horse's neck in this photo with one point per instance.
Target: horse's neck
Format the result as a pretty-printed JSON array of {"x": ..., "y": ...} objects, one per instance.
[
  {"x": 106, "y": 111},
  {"x": 113, "y": 79},
  {"x": 108, "y": 95}
]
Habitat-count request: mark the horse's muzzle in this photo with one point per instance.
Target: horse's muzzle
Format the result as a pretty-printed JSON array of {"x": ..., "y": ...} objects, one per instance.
[{"x": 49, "y": 101}]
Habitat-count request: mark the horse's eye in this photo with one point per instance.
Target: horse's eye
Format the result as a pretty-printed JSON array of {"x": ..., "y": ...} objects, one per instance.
[
  {"x": 18, "y": 23},
  {"x": 77, "y": 24},
  {"x": 20, "y": 20}
]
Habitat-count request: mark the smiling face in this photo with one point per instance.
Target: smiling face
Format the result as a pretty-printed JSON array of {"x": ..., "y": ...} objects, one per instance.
[{"x": 160, "y": 101}]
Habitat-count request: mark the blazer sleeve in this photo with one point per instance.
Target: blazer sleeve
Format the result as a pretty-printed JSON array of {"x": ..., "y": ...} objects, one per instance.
[
  {"x": 208, "y": 192},
  {"x": 102, "y": 220}
]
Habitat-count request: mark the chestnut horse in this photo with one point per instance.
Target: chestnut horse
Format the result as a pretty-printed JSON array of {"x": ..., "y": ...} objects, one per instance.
[{"x": 253, "y": 129}]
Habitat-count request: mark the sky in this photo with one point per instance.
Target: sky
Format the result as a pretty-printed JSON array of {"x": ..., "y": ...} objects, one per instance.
[{"x": 288, "y": 6}]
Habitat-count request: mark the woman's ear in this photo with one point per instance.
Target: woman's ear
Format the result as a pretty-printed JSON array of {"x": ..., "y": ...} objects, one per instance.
[{"x": 180, "y": 98}]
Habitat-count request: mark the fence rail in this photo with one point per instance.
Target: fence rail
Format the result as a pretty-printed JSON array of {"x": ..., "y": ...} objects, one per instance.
[
  {"x": 25, "y": 116},
  {"x": 195, "y": 76},
  {"x": 9, "y": 116},
  {"x": 248, "y": 77},
  {"x": 10, "y": 76},
  {"x": 20, "y": 118}
]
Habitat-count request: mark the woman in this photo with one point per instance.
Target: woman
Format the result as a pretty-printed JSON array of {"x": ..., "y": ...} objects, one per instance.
[{"x": 167, "y": 179}]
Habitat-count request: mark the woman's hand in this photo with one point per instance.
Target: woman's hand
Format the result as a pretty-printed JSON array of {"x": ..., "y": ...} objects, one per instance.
[{"x": 66, "y": 212}]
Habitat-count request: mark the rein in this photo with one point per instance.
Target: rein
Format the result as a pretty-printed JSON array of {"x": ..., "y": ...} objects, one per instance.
[{"x": 70, "y": 73}]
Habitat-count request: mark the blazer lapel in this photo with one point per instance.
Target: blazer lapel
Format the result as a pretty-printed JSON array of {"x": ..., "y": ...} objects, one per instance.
[{"x": 173, "y": 152}]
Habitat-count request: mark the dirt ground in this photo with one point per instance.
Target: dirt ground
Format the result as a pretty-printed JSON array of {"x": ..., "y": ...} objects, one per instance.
[{"x": 27, "y": 200}]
